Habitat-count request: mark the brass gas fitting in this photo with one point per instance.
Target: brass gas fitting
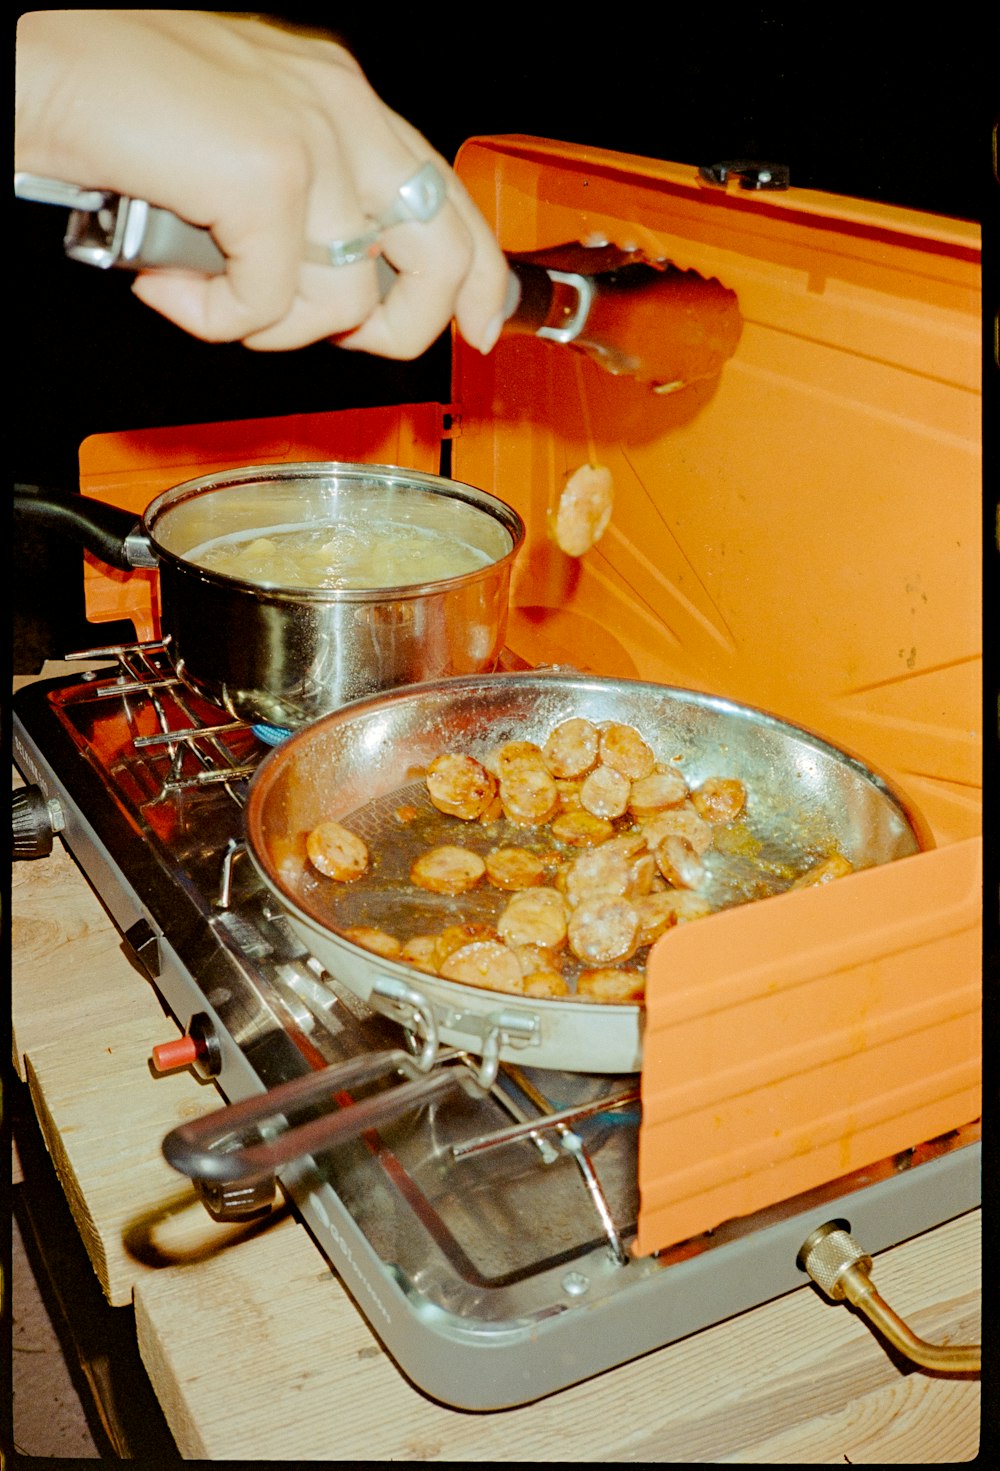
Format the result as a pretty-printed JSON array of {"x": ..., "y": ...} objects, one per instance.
[{"x": 841, "y": 1268}]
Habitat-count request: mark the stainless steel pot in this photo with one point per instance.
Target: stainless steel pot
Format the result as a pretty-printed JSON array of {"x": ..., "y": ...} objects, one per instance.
[{"x": 285, "y": 656}]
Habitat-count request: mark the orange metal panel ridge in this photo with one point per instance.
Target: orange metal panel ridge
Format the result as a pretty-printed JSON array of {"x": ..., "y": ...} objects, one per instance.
[{"x": 791, "y": 1041}]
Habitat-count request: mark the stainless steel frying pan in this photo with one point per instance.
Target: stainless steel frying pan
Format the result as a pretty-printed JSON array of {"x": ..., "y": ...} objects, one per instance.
[
  {"x": 361, "y": 763},
  {"x": 806, "y": 797}
]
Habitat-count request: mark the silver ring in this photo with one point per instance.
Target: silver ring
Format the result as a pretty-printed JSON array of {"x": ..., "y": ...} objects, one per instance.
[
  {"x": 420, "y": 198},
  {"x": 345, "y": 252}
]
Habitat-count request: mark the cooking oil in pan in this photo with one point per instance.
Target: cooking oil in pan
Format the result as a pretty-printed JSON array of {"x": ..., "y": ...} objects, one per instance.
[{"x": 748, "y": 861}]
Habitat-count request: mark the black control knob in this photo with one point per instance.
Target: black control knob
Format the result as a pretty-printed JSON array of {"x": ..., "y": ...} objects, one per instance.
[
  {"x": 243, "y": 1200},
  {"x": 36, "y": 820}
]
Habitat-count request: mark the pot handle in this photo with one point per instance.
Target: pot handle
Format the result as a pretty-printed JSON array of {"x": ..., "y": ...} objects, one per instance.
[
  {"x": 113, "y": 534},
  {"x": 244, "y": 1142}
]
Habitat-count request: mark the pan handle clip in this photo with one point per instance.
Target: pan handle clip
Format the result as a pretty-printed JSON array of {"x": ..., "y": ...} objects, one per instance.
[
  {"x": 404, "y": 1004},
  {"x": 481, "y": 1033}
]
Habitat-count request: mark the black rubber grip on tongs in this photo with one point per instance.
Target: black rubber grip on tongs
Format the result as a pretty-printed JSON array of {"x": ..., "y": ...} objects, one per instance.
[
  {"x": 202, "y": 1149},
  {"x": 535, "y": 301},
  {"x": 95, "y": 525}
]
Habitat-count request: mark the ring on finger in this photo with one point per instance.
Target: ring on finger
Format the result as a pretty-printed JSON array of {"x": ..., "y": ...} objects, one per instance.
[
  {"x": 345, "y": 252},
  {"x": 418, "y": 198}
]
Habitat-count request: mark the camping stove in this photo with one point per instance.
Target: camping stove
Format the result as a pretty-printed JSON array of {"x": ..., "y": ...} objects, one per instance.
[{"x": 486, "y": 1235}]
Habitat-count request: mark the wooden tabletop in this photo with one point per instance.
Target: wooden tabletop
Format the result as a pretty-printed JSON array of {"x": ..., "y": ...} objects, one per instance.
[{"x": 256, "y": 1352}]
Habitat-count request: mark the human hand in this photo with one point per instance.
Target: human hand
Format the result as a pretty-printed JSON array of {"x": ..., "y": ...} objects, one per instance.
[{"x": 275, "y": 142}]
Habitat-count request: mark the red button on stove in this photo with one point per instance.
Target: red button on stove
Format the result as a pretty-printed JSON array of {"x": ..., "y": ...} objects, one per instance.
[
  {"x": 170, "y": 1055},
  {"x": 198, "y": 1048}
]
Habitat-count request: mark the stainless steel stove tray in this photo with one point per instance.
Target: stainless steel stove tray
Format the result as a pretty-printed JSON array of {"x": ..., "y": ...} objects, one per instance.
[{"x": 488, "y": 1278}]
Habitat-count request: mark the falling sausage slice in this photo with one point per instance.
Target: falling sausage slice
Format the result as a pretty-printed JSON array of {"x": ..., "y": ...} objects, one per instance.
[{"x": 583, "y": 510}]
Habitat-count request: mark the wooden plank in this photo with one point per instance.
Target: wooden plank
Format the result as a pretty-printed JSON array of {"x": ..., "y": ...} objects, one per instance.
[
  {"x": 269, "y": 1316},
  {"x": 103, "y": 1115},
  {"x": 70, "y": 972},
  {"x": 905, "y": 1424}
]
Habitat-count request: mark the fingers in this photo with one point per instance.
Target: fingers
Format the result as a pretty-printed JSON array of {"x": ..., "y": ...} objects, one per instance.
[
  {"x": 448, "y": 264},
  {"x": 486, "y": 294},
  {"x": 296, "y": 186},
  {"x": 259, "y": 284},
  {"x": 274, "y": 141},
  {"x": 447, "y": 267}
]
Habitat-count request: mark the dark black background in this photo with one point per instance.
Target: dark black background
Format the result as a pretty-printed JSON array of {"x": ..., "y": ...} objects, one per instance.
[{"x": 854, "y": 101}]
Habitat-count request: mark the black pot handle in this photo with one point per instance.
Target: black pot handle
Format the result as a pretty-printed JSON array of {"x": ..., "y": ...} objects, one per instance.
[{"x": 110, "y": 532}]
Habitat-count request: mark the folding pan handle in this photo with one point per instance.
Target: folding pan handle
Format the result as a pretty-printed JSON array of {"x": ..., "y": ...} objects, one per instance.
[{"x": 231, "y": 1145}]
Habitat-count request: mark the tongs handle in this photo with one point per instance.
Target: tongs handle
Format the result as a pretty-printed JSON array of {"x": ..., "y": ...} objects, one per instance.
[
  {"x": 203, "y": 1149},
  {"x": 636, "y": 318}
]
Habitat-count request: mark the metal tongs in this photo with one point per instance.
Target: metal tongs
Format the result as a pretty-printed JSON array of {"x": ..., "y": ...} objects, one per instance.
[{"x": 638, "y": 318}]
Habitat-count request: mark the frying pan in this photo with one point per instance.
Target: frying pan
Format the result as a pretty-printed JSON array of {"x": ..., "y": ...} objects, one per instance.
[
  {"x": 362, "y": 764},
  {"x": 359, "y": 765}
]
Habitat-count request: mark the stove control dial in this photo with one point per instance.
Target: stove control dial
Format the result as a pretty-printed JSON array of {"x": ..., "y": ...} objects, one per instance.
[
  {"x": 36, "y": 820},
  {"x": 243, "y": 1201}
]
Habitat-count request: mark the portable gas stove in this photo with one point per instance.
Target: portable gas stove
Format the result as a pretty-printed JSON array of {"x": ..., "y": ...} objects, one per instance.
[
  {"x": 486, "y": 1236},
  {"x": 799, "y": 533}
]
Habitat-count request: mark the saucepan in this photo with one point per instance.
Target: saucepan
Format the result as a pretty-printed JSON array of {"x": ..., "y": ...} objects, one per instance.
[{"x": 271, "y": 650}]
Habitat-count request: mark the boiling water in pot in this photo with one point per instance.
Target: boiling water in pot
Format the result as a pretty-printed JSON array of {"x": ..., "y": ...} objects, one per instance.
[{"x": 376, "y": 554}]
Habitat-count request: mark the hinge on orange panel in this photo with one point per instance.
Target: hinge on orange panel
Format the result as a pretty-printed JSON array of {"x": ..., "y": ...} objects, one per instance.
[{"x": 748, "y": 173}]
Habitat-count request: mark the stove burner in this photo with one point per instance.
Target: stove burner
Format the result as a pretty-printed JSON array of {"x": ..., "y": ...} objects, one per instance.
[{"x": 271, "y": 735}]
